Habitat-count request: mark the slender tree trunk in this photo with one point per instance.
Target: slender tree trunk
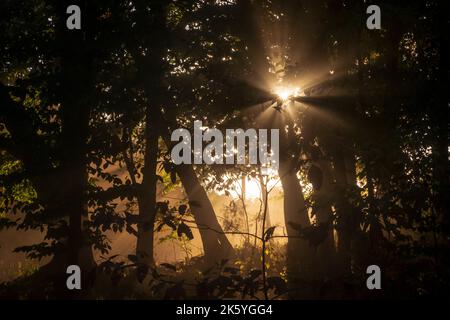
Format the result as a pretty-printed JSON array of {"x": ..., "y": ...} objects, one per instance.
[
  {"x": 76, "y": 82},
  {"x": 147, "y": 191},
  {"x": 215, "y": 243},
  {"x": 265, "y": 195},
  {"x": 244, "y": 207},
  {"x": 151, "y": 25}
]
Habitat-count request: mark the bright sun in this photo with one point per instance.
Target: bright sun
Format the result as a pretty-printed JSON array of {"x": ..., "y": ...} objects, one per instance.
[{"x": 286, "y": 93}]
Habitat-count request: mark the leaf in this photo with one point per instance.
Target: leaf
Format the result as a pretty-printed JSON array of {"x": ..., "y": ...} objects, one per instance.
[
  {"x": 112, "y": 257},
  {"x": 314, "y": 234},
  {"x": 170, "y": 223},
  {"x": 269, "y": 232},
  {"x": 167, "y": 167},
  {"x": 162, "y": 207},
  {"x": 167, "y": 220},
  {"x": 173, "y": 177},
  {"x": 160, "y": 226},
  {"x": 5, "y": 223},
  {"x": 182, "y": 209},
  {"x": 131, "y": 230},
  {"x": 184, "y": 229}
]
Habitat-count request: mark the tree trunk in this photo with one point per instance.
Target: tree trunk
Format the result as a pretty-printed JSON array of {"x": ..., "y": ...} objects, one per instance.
[
  {"x": 298, "y": 250},
  {"x": 76, "y": 82},
  {"x": 265, "y": 195},
  {"x": 215, "y": 243},
  {"x": 147, "y": 191},
  {"x": 151, "y": 25},
  {"x": 322, "y": 195},
  {"x": 345, "y": 219}
]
